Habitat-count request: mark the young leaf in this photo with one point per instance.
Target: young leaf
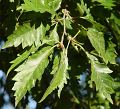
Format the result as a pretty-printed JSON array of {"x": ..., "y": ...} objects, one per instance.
[
  {"x": 30, "y": 71},
  {"x": 26, "y": 35},
  {"x": 97, "y": 40},
  {"x": 60, "y": 76},
  {"x": 41, "y": 5},
  {"x": 104, "y": 82}
]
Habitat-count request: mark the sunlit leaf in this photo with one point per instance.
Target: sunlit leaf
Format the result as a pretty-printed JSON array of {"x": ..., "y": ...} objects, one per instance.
[
  {"x": 55, "y": 64},
  {"x": 60, "y": 76},
  {"x": 54, "y": 35},
  {"x": 97, "y": 40},
  {"x": 110, "y": 54},
  {"x": 18, "y": 60},
  {"x": 26, "y": 35},
  {"x": 41, "y": 5},
  {"x": 30, "y": 71},
  {"x": 103, "y": 81}
]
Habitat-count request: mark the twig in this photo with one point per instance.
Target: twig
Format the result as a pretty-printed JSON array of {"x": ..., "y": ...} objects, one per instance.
[{"x": 64, "y": 31}]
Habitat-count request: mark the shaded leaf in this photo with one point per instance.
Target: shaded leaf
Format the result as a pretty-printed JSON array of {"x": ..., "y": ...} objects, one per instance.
[
  {"x": 115, "y": 18},
  {"x": 115, "y": 26},
  {"x": 85, "y": 14},
  {"x": 106, "y": 4}
]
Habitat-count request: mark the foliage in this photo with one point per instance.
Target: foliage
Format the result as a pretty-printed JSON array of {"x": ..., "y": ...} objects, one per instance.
[{"x": 47, "y": 37}]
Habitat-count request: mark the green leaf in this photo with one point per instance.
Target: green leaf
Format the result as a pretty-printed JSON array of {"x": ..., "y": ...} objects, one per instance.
[
  {"x": 41, "y": 5},
  {"x": 82, "y": 8},
  {"x": 116, "y": 20},
  {"x": 95, "y": 24},
  {"x": 97, "y": 40},
  {"x": 22, "y": 58},
  {"x": 30, "y": 71},
  {"x": 107, "y": 4},
  {"x": 99, "y": 67},
  {"x": 11, "y": 0},
  {"x": 86, "y": 15},
  {"x": 115, "y": 25},
  {"x": 18, "y": 60},
  {"x": 26, "y": 35},
  {"x": 55, "y": 64},
  {"x": 110, "y": 53},
  {"x": 54, "y": 35},
  {"x": 60, "y": 76},
  {"x": 104, "y": 82},
  {"x": 39, "y": 34},
  {"x": 68, "y": 23}
]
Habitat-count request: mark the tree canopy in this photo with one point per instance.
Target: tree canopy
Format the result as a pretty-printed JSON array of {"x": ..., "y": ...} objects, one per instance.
[{"x": 64, "y": 53}]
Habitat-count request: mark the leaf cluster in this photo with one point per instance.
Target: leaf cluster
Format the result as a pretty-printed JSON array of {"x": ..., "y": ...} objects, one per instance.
[{"x": 52, "y": 33}]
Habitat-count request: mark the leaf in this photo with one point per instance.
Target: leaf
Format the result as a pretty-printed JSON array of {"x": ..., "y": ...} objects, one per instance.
[
  {"x": 30, "y": 71},
  {"x": 40, "y": 34},
  {"x": 18, "y": 60},
  {"x": 55, "y": 64},
  {"x": 82, "y": 8},
  {"x": 115, "y": 18},
  {"x": 11, "y": 0},
  {"x": 60, "y": 76},
  {"x": 95, "y": 24},
  {"x": 68, "y": 22},
  {"x": 97, "y": 40},
  {"x": 41, "y": 5},
  {"x": 110, "y": 54},
  {"x": 54, "y": 35},
  {"x": 22, "y": 58},
  {"x": 26, "y": 35},
  {"x": 86, "y": 15},
  {"x": 99, "y": 67},
  {"x": 115, "y": 26},
  {"x": 106, "y": 4},
  {"x": 104, "y": 82}
]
